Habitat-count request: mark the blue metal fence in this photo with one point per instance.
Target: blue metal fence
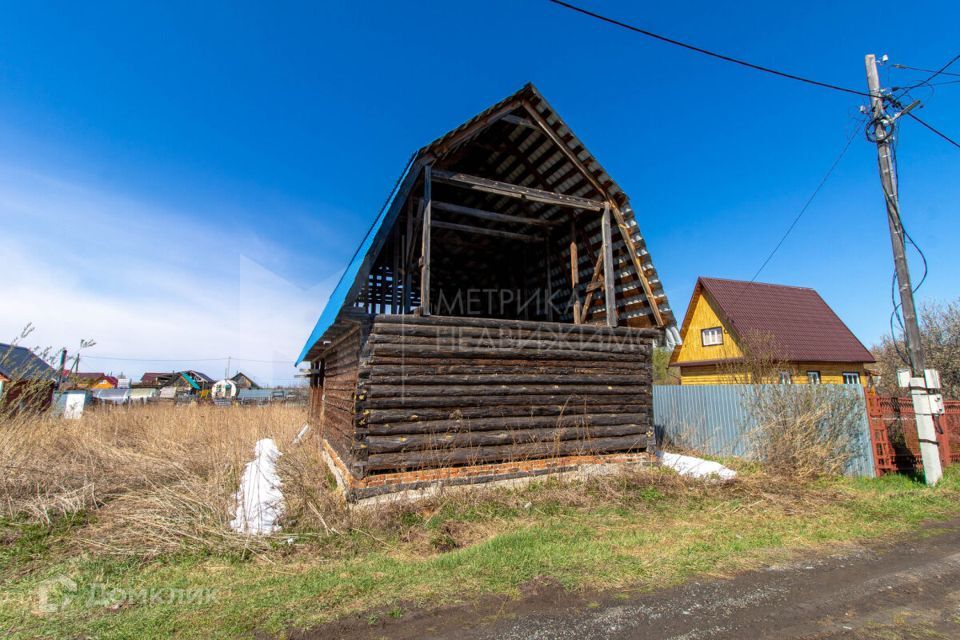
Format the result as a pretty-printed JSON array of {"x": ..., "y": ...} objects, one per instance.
[{"x": 714, "y": 419}]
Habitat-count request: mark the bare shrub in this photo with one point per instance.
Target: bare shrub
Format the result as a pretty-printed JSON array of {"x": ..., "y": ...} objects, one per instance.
[
  {"x": 804, "y": 431},
  {"x": 940, "y": 335}
]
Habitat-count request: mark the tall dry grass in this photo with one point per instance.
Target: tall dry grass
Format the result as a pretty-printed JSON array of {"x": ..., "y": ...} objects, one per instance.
[{"x": 153, "y": 479}]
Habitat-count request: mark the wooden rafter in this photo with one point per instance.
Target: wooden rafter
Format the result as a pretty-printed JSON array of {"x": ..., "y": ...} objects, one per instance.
[{"x": 615, "y": 210}]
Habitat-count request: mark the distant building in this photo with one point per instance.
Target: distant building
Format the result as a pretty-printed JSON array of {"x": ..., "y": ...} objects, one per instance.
[
  {"x": 180, "y": 379},
  {"x": 26, "y": 380},
  {"x": 89, "y": 380},
  {"x": 153, "y": 379},
  {"x": 804, "y": 339},
  {"x": 243, "y": 381}
]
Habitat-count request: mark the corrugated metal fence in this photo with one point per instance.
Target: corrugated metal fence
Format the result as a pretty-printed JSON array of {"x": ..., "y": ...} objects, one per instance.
[{"x": 714, "y": 419}]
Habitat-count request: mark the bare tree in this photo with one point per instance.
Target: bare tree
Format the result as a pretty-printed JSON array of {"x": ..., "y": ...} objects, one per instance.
[{"x": 940, "y": 334}]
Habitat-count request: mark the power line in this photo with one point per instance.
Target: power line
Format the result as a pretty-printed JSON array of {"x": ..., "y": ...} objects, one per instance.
[
  {"x": 807, "y": 204},
  {"x": 936, "y": 73},
  {"x": 935, "y": 130},
  {"x": 706, "y": 52},
  {"x": 941, "y": 72}
]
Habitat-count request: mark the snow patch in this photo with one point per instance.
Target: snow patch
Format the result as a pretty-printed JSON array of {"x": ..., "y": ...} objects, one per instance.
[
  {"x": 696, "y": 467},
  {"x": 259, "y": 500}
]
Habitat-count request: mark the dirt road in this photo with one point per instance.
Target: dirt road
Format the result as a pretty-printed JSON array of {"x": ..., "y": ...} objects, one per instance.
[{"x": 907, "y": 590}]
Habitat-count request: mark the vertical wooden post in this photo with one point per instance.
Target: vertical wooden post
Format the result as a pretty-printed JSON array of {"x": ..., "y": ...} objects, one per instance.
[
  {"x": 425, "y": 247},
  {"x": 609, "y": 291},
  {"x": 408, "y": 260},
  {"x": 549, "y": 292},
  {"x": 574, "y": 270},
  {"x": 395, "y": 274}
]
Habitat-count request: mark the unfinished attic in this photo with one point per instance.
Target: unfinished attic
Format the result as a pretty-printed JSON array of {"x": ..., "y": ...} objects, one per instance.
[{"x": 498, "y": 319}]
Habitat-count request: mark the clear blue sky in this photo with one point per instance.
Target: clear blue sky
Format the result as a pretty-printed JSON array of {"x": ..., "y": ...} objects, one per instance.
[{"x": 184, "y": 181}]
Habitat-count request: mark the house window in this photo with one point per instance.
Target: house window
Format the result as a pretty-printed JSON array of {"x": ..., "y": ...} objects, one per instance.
[
  {"x": 786, "y": 378},
  {"x": 851, "y": 378},
  {"x": 712, "y": 336},
  {"x": 813, "y": 377}
]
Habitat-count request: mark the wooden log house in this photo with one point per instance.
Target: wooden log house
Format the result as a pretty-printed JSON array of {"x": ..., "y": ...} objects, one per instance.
[{"x": 498, "y": 319}]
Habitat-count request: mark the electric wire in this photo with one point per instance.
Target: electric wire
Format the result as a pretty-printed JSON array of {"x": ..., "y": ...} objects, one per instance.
[
  {"x": 934, "y": 130},
  {"x": 809, "y": 201},
  {"x": 941, "y": 72},
  {"x": 706, "y": 52}
]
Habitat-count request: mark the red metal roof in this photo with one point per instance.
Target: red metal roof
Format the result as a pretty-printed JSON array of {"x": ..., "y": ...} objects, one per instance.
[{"x": 803, "y": 326}]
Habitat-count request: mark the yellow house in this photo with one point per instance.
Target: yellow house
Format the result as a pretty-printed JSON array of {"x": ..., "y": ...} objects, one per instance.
[{"x": 803, "y": 340}]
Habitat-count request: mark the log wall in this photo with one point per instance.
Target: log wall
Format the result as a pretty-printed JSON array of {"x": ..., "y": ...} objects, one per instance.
[{"x": 444, "y": 391}]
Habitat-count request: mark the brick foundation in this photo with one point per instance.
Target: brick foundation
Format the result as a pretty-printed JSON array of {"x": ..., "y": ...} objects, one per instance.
[{"x": 412, "y": 484}]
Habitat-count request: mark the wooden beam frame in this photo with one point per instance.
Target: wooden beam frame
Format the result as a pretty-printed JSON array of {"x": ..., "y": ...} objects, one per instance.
[
  {"x": 617, "y": 214},
  {"x": 505, "y": 235},
  {"x": 425, "y": 241},
  {"x": 609, "y": 291},
  {"x": 490, "y": 215},
  {"x": 574, "y": 271},
  {"x": 464, "y": 180}
]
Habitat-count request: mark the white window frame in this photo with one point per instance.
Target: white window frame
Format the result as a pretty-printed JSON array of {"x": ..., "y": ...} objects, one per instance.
[
  {"x": 786, "y": 377},
  {"x": 813, "y": 377},
  {"x": 851, "y": 377},
  {"x": 712, "y": 331}
]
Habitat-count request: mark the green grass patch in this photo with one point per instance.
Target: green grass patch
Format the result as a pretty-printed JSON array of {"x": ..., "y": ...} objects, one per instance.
[{"x": 637, "y": 534}]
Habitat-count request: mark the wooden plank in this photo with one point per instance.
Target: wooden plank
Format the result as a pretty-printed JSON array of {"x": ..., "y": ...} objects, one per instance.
[
  {"x": 574, "y": 271},
  {"x": 425, "y": 244},
  {"x": 609, "y": 291},
  {"x": 490, "y": 215},
  {"x": 466, "y": 228},
  {"x": 516, "y": 191}
]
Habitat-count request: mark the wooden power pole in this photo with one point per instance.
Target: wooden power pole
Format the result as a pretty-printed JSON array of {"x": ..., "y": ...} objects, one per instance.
[{"x": 924, "y": 384}]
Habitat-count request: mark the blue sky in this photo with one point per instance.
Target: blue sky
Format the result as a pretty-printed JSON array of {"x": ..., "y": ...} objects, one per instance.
[{"x": 184, "y": 181}]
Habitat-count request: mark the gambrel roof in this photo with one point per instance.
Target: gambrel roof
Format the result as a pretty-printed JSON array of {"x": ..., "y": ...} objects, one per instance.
[{"x": 519, "y": 142}]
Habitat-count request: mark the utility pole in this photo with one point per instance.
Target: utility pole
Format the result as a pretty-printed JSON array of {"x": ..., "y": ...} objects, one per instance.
[{"x": 923, "y": 383}]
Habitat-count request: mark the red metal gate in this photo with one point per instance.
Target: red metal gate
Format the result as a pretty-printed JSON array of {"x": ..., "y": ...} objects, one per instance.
[{"x": 893, "y": 433}]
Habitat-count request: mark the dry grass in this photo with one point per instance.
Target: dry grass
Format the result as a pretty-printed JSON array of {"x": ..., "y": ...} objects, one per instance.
[{"x": 155, "y": 477}]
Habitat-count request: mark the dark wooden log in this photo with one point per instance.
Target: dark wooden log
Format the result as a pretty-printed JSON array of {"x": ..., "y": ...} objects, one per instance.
[
  {"x": 423, "y": 351},
  {"x": 560, "y": 399},
  {"x": 515, "y": 378},
  {"x": 457, "y": 440},
  {"x": 503, "y": 365},
  {"x": 391, "y": 391},
  {"x": 500, "y": 423},
  {"x": 515, "y": 324},
  {"x": 475, "y": 455},
  {"x": 570, "y": 334},
  {"x": 408, "y": 416},
  {"x": 557, "y": 369}
]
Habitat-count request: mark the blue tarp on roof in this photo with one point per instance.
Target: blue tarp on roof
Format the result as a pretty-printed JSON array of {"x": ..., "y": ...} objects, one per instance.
[
  {"x": 339, "y": 295},
  {"x": 188, "y": 378}
]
